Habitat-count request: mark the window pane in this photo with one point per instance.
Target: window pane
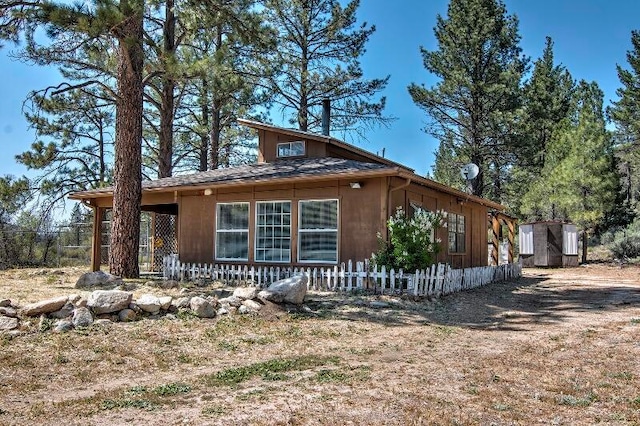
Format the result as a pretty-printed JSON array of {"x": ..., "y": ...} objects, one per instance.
[
  {"x": 460, "y": 244},
  {"x": 452, "y": 242},
  {"x": 273, "y": 231},
  {"x": 232, "y": 245},
  {"x": 319, "y": 214},
  {"x": 451, "y": 222},
  {"x": 460, "y": 223},
  {"x": 233, "y": 216},
  {"x": 319, "y": 246}
]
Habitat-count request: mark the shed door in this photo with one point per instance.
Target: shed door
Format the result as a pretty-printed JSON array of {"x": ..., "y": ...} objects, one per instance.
[
  {"x": 554, "y": 245},
  {"x": 540, "y": 252}
]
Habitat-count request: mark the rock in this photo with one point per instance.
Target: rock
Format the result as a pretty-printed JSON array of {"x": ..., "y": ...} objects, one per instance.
[
  {"x": 64, "y": 312},
  {"x": 135, "y": 308},
  {"x": 8, "y": 312},
  {"x": 183, "y": 302},
  {"x": 82, "y": 303},
  {"x": 5, "y": 303},
  {"x": 8, "y": 323},
  {"x": 290, "y": 290},
  {"x": 222, "y": 311},
  {"x": 245, "y": 293},
  {"x": 168, "y": 284},
  {"x": 107, "y": 301},
  {"x": 243, "y": 310},
  {"x": 149, "y": 303},
  {"x": 103, "y": 323},
  {"x": 170, "y": 317},
  {"x": 82, "y": 317},
  {"x": 63, "y": 326},
  {"x": 379, "y": 304},
  {"x": 184, "y": 290},
  {"x": 202, "y": 307},
  {"x": 98, "y": 279},
  {"x": 252, "y": 305},
  {"x": 165, "y": 302},
  {"x": 74, "y": 298},
  {"x": 127, "y": 315},
  {"x": 44, "y": 306},
  {"x": 231, "y": 301}
]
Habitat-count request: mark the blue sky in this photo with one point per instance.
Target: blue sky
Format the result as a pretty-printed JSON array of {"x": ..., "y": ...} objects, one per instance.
[{"x": 590, "y": 36}]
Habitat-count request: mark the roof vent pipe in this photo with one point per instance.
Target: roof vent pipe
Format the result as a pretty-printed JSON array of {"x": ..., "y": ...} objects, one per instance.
[{"x": 326, "y": 116}]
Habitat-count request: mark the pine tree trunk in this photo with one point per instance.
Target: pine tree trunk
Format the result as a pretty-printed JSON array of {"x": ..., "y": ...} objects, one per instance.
[
  {"x": 125, "y": 225},
  {"x": 215, "y": 135},
  {"x": 204, "y": 138},
  {"x": 165, "y": 154}
]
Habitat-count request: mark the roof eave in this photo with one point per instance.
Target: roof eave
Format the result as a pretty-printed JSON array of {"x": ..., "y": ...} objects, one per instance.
[{"x": 361, "y": 174}]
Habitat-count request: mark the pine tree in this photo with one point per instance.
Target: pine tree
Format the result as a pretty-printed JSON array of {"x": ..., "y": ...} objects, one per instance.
[
  {"x": 625, "y": 114},
  {"x": 69, "y": 28},
  {"x": 480, "y": 66},
  {"x": 319, "y": 46},
  {"x": 579, "y": 179},
  {"x": 75, "y": 145}
]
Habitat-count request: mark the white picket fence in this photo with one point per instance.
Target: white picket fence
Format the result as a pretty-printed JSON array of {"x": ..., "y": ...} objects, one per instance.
[{"x": 438, "y": 280}]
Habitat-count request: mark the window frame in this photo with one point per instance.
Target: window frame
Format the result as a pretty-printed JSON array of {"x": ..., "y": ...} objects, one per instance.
[
  {"x": 457, "y": 234},
  {"x": 290, "y": 144},
  {"x": 301, "y": 231},
  {"x": 257, "y": 225},
  {"x": 219, "y": 230}
]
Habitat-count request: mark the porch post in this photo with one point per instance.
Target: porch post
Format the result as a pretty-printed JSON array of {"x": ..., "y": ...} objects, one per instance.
[
  {"x": 512, "y": 235},
  {"x": 495, "y": 240},
  {"x": 96, "y": 242}
]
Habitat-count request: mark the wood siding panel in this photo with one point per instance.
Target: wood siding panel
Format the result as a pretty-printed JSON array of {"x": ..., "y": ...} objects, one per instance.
[
  {"x": 196, "y": 217},
  {"x": 360, "y": 219}
]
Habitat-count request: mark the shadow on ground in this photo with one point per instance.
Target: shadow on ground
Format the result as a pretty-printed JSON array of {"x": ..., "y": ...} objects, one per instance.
[{"x": 507, "y": 305}]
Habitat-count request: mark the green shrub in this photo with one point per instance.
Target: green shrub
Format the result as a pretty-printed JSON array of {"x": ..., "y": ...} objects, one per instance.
[
  {"x": 411, "y": 244},
  {"x": 626, "y": 247}
]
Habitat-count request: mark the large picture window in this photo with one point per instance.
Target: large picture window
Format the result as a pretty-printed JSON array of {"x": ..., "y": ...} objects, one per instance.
[
  {"x": 232, "y": 231},
  {"x": 456, "y": 226},
  {"x": 273, "y": 231},
  {"x": 318, "y": 231}
]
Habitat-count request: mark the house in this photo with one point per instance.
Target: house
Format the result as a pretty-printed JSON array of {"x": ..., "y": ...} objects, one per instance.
[{"x": 309, "y": 200}]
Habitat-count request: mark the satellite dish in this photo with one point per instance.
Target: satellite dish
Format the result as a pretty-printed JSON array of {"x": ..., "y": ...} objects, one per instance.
[{"x": 469, "y": 171}]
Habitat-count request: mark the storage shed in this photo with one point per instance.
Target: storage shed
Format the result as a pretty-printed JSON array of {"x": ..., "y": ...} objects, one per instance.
[{"x": 548, "y": 244}]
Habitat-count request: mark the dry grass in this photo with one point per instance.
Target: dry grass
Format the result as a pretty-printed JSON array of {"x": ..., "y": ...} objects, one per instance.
[{"x": 555, "y": 347}]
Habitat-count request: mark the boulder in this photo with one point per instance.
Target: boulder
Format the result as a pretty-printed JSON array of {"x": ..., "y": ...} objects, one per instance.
[
  {"x": 82, "y": 317},
  {"x": 98, "y": 279},
  {"x": 64, "y": 312},
  {"x": 63, "y": 326},
  {"x": 165, "y": 302},
  {"x": 74, "y": 298},
  {"x": 149, "y": 303},
  {"x": 245, "y": 293},
  {"x": 8, "y": 312},
  {"x": 183, "y": 302},
  {"x": 44, "y": 306},
  {"x": 231, "y": 301},
  {"x": 289, "y": 290},
  {"x": 8, "y": 323},
  {"x": 82, "y": 303},
  {"x": 127, "y": 315},
  {"x": 252, "y": 305},
  {"x": 202, "y": 307},
  {"x": 4, "y": 303},
  {"x": 222, "y": 311},
  {"x": 107, "y": 301}
]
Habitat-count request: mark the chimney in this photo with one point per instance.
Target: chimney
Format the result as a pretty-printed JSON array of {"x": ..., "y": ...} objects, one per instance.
[{"x": 326, "y": 116}]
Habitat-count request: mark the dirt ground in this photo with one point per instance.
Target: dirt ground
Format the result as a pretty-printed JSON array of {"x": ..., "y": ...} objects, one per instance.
[{"x": 558, "y": 347}]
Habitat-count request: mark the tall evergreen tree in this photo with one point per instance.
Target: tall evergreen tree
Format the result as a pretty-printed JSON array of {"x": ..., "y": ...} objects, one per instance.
[
  {"x": 546, "y": 102},
  {"x": 69, "y": 28},
  {"x": 74, "y": 149},
  {"x": 479, "y": 64},
  {"x": 319, "y": 49},
  {"x": 625, "y": 114},
  {"x": 579, "y": 179}
]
